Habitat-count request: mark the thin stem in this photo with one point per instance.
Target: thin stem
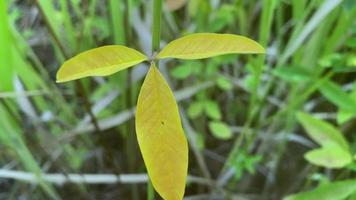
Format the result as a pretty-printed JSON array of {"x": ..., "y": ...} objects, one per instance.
[
  {"x": 51, "y": 30},
  {"x": 129, "y": 7},
  {"x": 130, "y": 126},
  {"x": 156, "y": 34},
  {"x": 79, "y": 85},
  {"x": 83, "y": 95},
  {"x": 253, "y": 108},
  {"x": 117, "y": 19},
  {"x": 10, "y": 111},
  {"x": 150, "y": 191},
  {"x": 156, "y": 29}
]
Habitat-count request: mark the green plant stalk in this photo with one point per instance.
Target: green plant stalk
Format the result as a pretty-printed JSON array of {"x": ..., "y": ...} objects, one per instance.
[
  {"x": 14, "y": 140},
  {"x": 313, "y": 46},
  {"x": 156, "y": 29},
  {"x": 117, "y": 21},
  {"x": 62, "y": 50},
  {"x": 296, "y": 31},
  {"x": 156, "y": 34},
  {"x": 26, "y": 51},
  {"x": 129, "y": 5},
  {"x": 150, "y": 191},
  {"x": 241, "y": 14},
  {"x": 129, "y": 100},
  {"x": 293, "y": 105},
  {"x": 88, "y": 24},
  {"x": 268, "y": 87},
  {"x": 267, "y": 16},
  {"x": 295, "y": 100},
  {"x": 130, "y": 142},
  {"x": 31, "y": 80},
  {"x": 77, "y": 9},
  {"x": 265, "y": 26},
  {"x": 68, "y": 25},
  {"x": 6, "y": 66},
  {"x": 343, "y": 23}
]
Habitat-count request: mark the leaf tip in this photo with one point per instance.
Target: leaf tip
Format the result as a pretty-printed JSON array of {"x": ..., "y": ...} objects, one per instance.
[{"x": 60, "y": 76}]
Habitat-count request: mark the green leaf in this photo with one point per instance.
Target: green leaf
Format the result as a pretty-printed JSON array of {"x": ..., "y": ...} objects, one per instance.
[
  {"x": 222, "y": 17},
  {"x": 220, "y": 130},
  {"x": 182, "y": 72},
  {"x": 330, "y": 60},
  {"x": 251, "y": 161},
  {"x": 200, "y": 141},
  {"x": 334, "y": 152},
  {"x": 337, "y": 96},
  {"x": 161, "y": 137},
  {"x": 195, "y": 109},
  {"x": 100, "y": 61},
  {"x": 351, "y": 60},
  {"x": 330, "y": 156},
  {"x": 223, "y": 83},
  {"x": 344, "y": 115},
  {"x": 6, "y": 49},
  {"x": 186, "y": 69},
  {"x": 322, "y": 132},
  {"x": 204, "y": 45},
  {"x": 292, "y": 74},
  {"x": 212, "y": 110},
  {"x": 331, "y": 191}
]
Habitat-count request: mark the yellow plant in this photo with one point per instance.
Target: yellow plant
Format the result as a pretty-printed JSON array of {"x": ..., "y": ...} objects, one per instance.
[{"x": 159, "y": 130}]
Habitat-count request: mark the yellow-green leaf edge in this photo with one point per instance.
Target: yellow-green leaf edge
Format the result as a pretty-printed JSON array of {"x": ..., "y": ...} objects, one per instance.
[
  {"x": 204, "y": 45},
  {"x": 101, "y": 61}
]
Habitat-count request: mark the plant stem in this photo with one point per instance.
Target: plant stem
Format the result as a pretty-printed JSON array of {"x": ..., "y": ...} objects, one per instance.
[
  {"x": 129, "y": 7},
  {"x": 79, "y": 85},
  {"x": 130, "y": 126},
  {"x": 265, "y": 25},
  {"x": 82, "y": 93},
  {"x": 150, "y": 191},
  {"x": 117, "y": 21},
  {"x": 156, "y": 29},
  {"x": 156, "y": 34}
]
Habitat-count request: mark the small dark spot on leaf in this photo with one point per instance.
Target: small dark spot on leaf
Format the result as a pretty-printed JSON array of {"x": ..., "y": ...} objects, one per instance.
[{"x": 162, "y": 122}]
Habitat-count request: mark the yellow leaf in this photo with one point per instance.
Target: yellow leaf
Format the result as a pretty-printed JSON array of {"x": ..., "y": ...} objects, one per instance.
[
  {"x": 161, "y": 137},
  {"x": 100, "y": 61},
  {"x": 204, "y": 45}
]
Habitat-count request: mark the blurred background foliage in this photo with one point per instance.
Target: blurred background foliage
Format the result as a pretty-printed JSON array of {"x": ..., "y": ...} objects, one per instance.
[{"x": 239, "y": 112}]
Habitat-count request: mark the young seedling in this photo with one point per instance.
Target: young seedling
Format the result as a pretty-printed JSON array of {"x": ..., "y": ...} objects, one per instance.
[
  {"x": 334, "y": 151},
  {"x": 159, "y": 130}
]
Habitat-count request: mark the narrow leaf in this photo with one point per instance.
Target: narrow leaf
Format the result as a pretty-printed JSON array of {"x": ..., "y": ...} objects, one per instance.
[
  {"x": 100, "y": 61},
  {"x": 204, "y": 45},
  {"x": 330, "y": 191},
  {"x": 161, "y": 137},
  {"x": 343, "y": 114},
  {"x": 292, "y": 74},
  {"x": 322, "y": 132},
  {"x": 336, "y": 95},
  {"x": 330, "y": 157},
  {"x": 6, "y": 65}
]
